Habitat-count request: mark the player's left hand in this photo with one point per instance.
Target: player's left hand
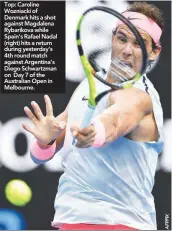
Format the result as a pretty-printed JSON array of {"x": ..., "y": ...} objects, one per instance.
[{"x": 84, "y": 137}]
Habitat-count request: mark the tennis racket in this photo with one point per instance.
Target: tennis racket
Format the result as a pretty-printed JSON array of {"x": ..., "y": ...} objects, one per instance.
[{"x": 94, "y": 39}]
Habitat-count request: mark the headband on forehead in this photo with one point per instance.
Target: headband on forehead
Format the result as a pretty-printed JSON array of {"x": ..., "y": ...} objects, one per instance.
[{"x": 143, "y": 22}]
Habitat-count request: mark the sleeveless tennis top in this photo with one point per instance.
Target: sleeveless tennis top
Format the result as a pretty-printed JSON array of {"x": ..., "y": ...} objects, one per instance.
[{"x": 112, "y": 184}]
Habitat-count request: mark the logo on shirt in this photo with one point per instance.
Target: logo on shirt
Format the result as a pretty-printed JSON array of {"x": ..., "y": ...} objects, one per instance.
[{"x": 84, "y": 98}]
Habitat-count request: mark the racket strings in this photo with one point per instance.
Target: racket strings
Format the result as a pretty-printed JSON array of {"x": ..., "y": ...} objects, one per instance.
[
  {"x": 124, "y": 67},
  {"x": 96, "y": 37},
  {"x": 121, "y": 71}
]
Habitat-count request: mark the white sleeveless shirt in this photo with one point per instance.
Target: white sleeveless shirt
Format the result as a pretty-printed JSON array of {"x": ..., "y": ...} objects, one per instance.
[{"x": 112, "y": 184}]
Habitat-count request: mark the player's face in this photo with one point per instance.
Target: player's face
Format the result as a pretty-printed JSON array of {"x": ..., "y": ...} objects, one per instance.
[{"x": 126, "y": 49}]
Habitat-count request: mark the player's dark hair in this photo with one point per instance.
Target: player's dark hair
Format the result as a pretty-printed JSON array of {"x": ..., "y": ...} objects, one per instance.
[{"x": 150, "y": 10}]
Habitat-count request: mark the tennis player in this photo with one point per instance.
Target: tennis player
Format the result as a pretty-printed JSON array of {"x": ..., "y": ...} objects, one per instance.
[{"x": 109, "y": 175}]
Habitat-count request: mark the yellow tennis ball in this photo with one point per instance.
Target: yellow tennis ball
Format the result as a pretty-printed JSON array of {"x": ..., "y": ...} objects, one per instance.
[{"x": 18, "y": 192}]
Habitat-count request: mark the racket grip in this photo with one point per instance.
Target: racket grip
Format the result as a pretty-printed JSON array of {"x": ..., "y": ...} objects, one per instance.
[{"x": 86, "y": 119}]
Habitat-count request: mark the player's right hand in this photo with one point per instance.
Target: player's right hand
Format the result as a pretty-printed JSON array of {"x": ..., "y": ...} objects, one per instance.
[{"x": 46, "y": 128}]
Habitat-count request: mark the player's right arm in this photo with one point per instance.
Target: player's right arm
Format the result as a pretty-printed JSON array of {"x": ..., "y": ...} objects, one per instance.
[{"x": 46, "y": 128}]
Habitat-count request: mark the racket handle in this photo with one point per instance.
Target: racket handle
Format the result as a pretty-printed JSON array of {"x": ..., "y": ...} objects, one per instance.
[{"x": 86, "y": 119}]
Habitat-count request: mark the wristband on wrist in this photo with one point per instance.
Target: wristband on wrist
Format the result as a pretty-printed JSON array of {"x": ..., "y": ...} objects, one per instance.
[
  {"x": 41, "y": 155},
  {"x": 100, "y": 136}
]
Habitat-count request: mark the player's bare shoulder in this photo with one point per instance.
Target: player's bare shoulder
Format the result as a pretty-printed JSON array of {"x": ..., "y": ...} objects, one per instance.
[{"x": 133, "y": 97}]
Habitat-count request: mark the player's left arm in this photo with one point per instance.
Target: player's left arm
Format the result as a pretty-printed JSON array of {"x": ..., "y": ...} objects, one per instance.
[{"x": 126, "y": 110}]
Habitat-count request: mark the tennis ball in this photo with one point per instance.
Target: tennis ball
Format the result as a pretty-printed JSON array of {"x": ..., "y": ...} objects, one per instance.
[{"x": 18, "y": 192}]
